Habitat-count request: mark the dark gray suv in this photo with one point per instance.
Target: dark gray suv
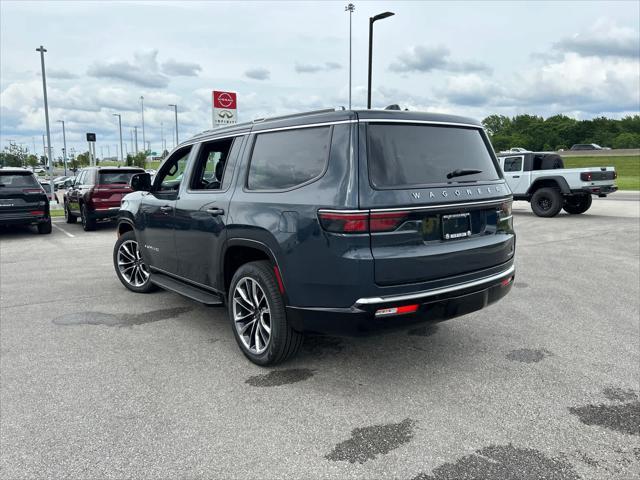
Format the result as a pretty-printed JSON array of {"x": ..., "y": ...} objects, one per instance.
[{"x": 341, "y": 222}]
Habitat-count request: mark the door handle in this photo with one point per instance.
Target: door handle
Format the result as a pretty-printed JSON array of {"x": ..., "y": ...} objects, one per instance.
[
  {"x": 166, "y": 209},
  {"x": 516, "y": 176},
  {"x": 215, "y": 211}
]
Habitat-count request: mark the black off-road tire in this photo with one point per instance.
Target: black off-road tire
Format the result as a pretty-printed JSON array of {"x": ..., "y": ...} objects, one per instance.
[
  {"x": 88, "y": 222},
  {"x": 129, "y": 238},
  {"x": 44, "y": 227},
  {"x": 284, "y": 342},
  {"x": 577, "y": 204},
  {"x": 546, "y": 202},
  {"x": 68, "y": 216}
]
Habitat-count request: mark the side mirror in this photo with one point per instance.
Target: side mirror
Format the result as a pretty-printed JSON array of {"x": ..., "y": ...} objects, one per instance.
[{"x": 140, "y": 182}]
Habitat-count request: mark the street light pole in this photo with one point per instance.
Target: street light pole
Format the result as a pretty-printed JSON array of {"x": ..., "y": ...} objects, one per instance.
[
  {"x": 380, "y": 16},
  {"x": 64, "y": 144},
  {"x": 175, "y": 110},
  {"x": 144, "y": 140},
  {"x": 46, "y": 118},
  {"x": 135, "y": 135},
  {"x": 120, "y": 129},
  {"x": 350, "y": 8}
]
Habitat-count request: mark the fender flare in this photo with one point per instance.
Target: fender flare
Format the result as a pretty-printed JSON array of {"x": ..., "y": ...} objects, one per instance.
[
  {"x": 560, "y": 181},
  {"x": 246, "y": 242}
]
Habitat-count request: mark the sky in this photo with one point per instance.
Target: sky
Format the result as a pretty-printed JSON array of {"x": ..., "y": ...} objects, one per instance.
[{"x": 580, "y": 59}]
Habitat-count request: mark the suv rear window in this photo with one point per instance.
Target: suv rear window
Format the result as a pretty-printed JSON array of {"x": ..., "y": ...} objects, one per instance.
[
  {"x": 285, "y": 159},
  {"x": 116, "y": 177},
  {"x": 403, "y": 156},
  {"x": 17, "y": 180}
]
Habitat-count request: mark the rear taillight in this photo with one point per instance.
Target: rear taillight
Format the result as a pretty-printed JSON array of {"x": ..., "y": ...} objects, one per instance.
[
  {"x": 615, "y": 174},
  {"x": 586, "y": 176},
  {"x": 505, "y": 217},
  {"x": 403, "y": 310},
  {"x": 37, "y": 212},
  {"x": 33, "y": 190},
  {"x": 344, "y": 222},
  {"x": 361, "y": 222},
  {"x": 386, "y": 221}
]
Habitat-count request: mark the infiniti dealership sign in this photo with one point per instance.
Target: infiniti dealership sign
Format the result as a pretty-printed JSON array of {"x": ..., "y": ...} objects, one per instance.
[{"x": 224, "y": 108}]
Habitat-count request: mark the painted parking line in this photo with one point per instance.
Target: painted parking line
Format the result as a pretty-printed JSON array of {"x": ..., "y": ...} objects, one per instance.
[{"x": 62, "y": 230}]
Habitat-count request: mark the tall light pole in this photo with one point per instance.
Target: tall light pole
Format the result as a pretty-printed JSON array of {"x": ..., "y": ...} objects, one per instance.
[
  {"x": 64, "y": 151},
  {"x": 46, "y": 118},
  {"x": 175, "y": 110},
  {"x": 144, "y": 141},
  {"x": 135, "y": 136},
  {"x": 350, "y": 8},
  {"x": 380, "y": 16},
  {"x": 120, "y": 129}
]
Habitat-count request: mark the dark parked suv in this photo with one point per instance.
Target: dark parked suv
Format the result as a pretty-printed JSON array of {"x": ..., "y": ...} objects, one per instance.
[
  {"x": 22, "y": 200},
  {"x": 96, "y": 194},
  {"x": 330, "y": 222}
]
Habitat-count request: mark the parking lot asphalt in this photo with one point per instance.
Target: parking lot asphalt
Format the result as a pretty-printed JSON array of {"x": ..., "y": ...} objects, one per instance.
[{"x": 98, "y": 382}]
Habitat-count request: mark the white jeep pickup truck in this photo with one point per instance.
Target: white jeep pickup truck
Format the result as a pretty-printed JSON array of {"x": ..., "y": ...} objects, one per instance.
[{"x": 541, "y": 179}]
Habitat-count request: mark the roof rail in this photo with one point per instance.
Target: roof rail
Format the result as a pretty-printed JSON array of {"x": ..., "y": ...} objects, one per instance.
[{"x": 295, "y": 115}]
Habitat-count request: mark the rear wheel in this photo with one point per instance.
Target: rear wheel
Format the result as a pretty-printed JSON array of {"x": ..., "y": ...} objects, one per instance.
[
  {"x": 546, "y": 202},
  {"x": 132, "y": 272},
  {"x": 68, "y": 216},
  {"x": 258, "y": 316},
  {"x": 88, "y": 222},
  {"x": 577, "y": 204},
  {"x": 44, "y": 227}
]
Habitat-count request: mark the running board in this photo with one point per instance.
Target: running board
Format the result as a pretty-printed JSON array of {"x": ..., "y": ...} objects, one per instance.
[{"x": 192, "y": 292}]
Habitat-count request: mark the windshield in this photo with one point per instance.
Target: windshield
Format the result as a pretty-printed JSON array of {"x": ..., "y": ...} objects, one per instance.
[
  {"x": 116, "y": 177},
  {"x": 403, "y": 156},
  {"x": 17, "y": 180}
]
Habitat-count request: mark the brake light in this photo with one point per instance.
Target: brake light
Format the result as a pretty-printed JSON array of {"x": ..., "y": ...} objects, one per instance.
[
  {"x": 506, "y": 281},
  {"x": 361, "y": 222},
  {"x": 505, "y": 218},
  {"x": 386, "y": 221},
  {"x": 37, "y": 212},
  {"x": 586, "y": 176},
  {"x": 32, "y": 190},
  {"x": 344, "y": 222},
  {"x": 383, "y": 312}
]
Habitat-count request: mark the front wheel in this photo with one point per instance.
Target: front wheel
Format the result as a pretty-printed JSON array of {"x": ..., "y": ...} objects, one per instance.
[
  {"x": 132, "y": 272},
  {"x": 577, "y": 204},
  {"x": 258, "y": 316},
  {"x": 546, "y": 202}
]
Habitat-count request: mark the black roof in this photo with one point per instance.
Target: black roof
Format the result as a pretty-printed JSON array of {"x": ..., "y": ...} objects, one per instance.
[
  {"x": 15, "y": 170},
  {"x": 332, "y": 115}
]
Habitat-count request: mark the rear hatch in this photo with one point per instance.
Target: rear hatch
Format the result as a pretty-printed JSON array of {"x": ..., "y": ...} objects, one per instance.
[
  {"x": 111, "y": 186},
  {"x": 437, "y": 204},
  {"x": 21, "y": 195}
]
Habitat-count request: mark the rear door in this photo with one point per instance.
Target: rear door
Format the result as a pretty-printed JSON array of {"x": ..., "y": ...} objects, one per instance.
[
  {"x": 437, "y": 203},
  {"x": 20, "y": 195}
]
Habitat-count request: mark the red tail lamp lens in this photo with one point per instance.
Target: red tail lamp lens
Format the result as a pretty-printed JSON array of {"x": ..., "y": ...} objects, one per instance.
[
  {"x": 37, "y": 212},
  {"x": 383, "y": 312},
  {"x": 344, "y": 222},
  {"x": 387, "y": 221},
  {"x": 32, "y": 190},
  {"x": 586, "y": 176},
  {"x": 506, "y": 281}
]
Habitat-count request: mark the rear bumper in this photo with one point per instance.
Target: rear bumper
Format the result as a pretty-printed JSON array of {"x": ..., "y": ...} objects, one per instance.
[
  {"x": 600, "y": 190},
  {"x": 432, "y": 306},
  {"x": 23, "y": 218},
  {"x": 105, "y": 213}
]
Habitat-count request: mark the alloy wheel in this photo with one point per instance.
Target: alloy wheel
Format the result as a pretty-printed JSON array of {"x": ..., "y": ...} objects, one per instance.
[
  {"x": 130, "y": 264},
  {"x": 251, "y": 315}
]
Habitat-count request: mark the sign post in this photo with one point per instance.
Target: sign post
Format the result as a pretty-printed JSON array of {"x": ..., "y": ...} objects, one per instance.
[
  {"x": 91, "y": 140},
  {"x": 224, "y": 108}
]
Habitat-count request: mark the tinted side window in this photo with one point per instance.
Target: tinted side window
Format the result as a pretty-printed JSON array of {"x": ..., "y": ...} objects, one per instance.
[
  {"x": 285, "y": 159},
  {"x": 170, "y": 175},
  {"x": 211, "y": 165},
  {"x": 513, "y": 164}
]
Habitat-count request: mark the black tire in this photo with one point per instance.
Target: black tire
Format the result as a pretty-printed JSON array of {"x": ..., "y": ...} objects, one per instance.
[
  {"x": 546, "y": 202},
  {"x": 577, "y": 204},
  {"x": 127, "y": 239},
  {"x": 68, "y": 216},
  {"x": 283, "y": 341},
  {"x": 44, "y": 227},
  {"x": 88, "y": 222}
]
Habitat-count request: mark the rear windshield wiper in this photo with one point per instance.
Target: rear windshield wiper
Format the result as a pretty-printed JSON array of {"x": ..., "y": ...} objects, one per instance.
[{"x": 463, "y": 171}]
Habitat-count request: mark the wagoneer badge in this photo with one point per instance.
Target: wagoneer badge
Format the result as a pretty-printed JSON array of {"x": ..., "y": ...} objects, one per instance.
[{"x": 461, "y": 192}]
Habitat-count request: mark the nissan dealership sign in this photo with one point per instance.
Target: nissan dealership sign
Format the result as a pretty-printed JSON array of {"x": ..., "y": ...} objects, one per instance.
[{"x": 225, "y": 108}]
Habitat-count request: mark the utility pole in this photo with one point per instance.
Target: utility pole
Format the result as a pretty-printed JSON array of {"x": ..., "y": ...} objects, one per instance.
[
  {"x": 46, "y": 118},
  {"x": 162, "y": 137},
  {"x": 380, "y": 16},
  {"x": 120, "y": 130},
  {"x": 44, "y": 151},
  {"x": 144, "y": 140},
  {"x": 350, "y": 8},
  {"x": 135, "y": 135},
  {"x": 175, "y": 110},
  {"x": 64, "y": 149}
]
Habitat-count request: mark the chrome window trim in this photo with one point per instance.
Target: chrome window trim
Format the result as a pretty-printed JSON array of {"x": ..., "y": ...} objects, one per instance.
[
  {"x": 307, "y": 125},
  {"x": 436, "y": 291},
  {"x": 447, "y": 205}
]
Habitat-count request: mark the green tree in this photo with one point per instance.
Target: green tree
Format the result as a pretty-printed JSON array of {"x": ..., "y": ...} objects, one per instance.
[
  {"x": 627, "y": 140},
  {"x": 83, "y": 159},
  {"x": 13, "y": 155}
]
